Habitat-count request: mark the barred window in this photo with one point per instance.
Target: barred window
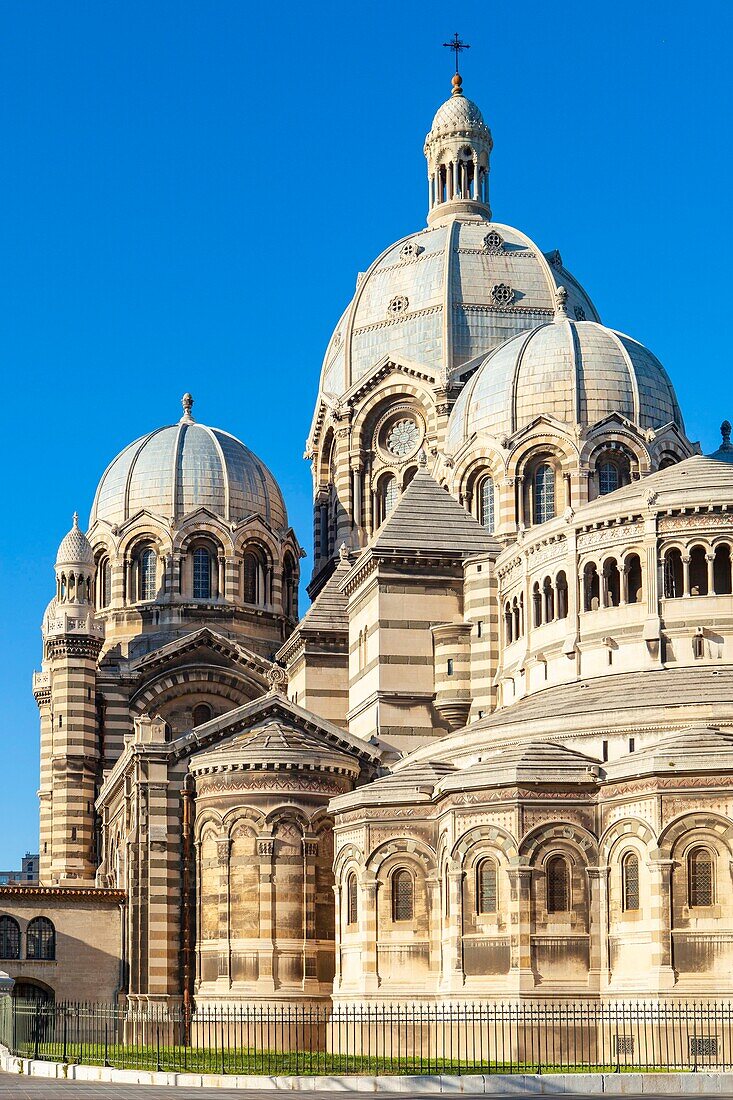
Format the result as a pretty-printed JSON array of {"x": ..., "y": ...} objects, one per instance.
[
  {"x": 608, "y": 477},
  {"x": 9, "y": 938},
  {"x": 403, "y": 900},
  {"x": 486, "y": 504},
  {"x": 700, "y": 878},
  {"x": 486, "y": 896},
  {"x": 544, "y": 493},
  {"x": 630, "y": 882},
  {"x": 391, "y": 493},
  {"x": 41, "y": 939},
  {"x": 352, "y": 899},
  {"x": 147, "y": 574},
  {"x": 558, "y": 885},
  {"x": 201, "y": 574}
]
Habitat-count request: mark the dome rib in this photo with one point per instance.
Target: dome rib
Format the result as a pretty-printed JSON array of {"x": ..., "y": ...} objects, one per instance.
[{"x": 177, "y": 469}]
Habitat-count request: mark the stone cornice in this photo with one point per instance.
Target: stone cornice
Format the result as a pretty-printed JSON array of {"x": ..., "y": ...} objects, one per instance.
[{"x": 77, "y": 893}]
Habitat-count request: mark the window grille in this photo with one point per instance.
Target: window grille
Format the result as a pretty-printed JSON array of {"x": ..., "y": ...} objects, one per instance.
[
  {"x": 147, "y": 575},
  {"x": 701, "y": 885},
  {"x": 9, "y": 938},
  {"x": 402, "y": 896},
  {"x": 250, "y": 578},
  {"x": 703, "y": 1046},
  {"x": 352, "y": 901},
  {"x": 544, "y": 493},
  {"x": 41, "y": 939},
  {"x": 630, "y": 882},
  {"x": 624, "y": 1045},
  {"x": 391, "y": 493},
  {"x": 201, "y": 574},
  {"x": 558, "y": 886},
  {"x": 486, "y": 886},
  {"x": 608, "y": 479},
  {"x": 486, "y": 504}
]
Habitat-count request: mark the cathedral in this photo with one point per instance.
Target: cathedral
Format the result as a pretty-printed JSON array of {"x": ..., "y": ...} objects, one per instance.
[{"x": 493, "y": 759}]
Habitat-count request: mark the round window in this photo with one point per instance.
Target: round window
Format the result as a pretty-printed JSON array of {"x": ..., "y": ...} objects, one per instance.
[{"x": 402, "y": 437}]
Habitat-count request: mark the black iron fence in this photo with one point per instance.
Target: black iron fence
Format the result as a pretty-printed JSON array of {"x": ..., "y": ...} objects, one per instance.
[{"x": 499, "y": 1037}]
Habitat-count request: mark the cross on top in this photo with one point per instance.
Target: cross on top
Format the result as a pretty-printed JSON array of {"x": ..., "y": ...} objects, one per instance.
[{"x": 456, "y": 45}]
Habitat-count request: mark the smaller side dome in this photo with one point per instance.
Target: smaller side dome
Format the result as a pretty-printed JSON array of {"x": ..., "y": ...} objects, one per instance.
[
  {"x": 576, "y": 372},
  {"x": 75, "y": 548}
]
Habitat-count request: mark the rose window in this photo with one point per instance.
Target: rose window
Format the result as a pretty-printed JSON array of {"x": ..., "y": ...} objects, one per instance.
[
  {"x": 493, "y": 243},
  {"x": 502, "y": 295},
  {"x": 402, "y": 437},
  {"x": 408, "y": 251},
  {"x": 397, "y": 306}
]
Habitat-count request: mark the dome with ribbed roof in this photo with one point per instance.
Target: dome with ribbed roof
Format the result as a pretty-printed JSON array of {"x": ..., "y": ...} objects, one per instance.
[
  {"x": 458, "y": 113},
  {"x": 176, "y": 469},
  {"x": 576, "y": 372},
  {"x": 75, "y": 548}
]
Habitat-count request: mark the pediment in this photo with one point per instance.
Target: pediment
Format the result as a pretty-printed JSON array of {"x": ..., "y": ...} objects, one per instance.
[
  {"x": 246, "y": 726},
  {"x": 203, "y": 641}
]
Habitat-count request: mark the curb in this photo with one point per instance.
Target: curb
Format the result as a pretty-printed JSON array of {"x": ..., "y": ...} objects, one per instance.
[{"x": 550, "y": 1084}]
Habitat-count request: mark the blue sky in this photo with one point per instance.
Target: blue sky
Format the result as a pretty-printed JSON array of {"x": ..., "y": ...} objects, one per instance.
[{"x": 189, "y": 189}]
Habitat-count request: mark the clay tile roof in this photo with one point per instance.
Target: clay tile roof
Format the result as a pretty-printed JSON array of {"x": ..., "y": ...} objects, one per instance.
[{"x": 426, "y": 518}]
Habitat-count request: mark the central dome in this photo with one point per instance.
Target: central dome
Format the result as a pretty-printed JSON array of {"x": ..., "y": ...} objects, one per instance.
[
  {"x": 444, "y": 296},
  {"x": 177, "y": 469}
]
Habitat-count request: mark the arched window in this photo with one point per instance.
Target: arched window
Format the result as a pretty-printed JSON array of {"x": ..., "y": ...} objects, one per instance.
[
  {"x": 403, "y": 900},
  {"x": 201, "y": 713},
  {"x": 9, "y": 938},
  {"x": 548, "y": 600},
  {"x": 612, "y": 579},
  {"x": 591, "y": 587},
  {"x": 700, "y": 878},
  {"x": 486, "y": 895},
  {"x": 352, "y": 899},
  {"x": 721, "y": 571},
  {"x": 544, "y": 493},
  {"x": 536, "y": 604},
  {"x": 632, "y": 569},
  {"x": 630, "y": 882},
  {"x": 40, "y": 939},
  {"x": 201, "y": 573},
  {"x": 508, "y": 623},
  {"x": 561, "y": 585},
  {"x": 255, "y": 576},
  {"x": 486, "y": 504},
  {"x": 558, "y": 885},
  {"x": 390, "y": 495},
  {"x": 104, "y": 582},
  {"x": 608, "y": 477},
  {"x": 673, "y": 575},
  {"x": 148, "y": 579},
  {"x": 698, "y": 571},
  {"x": 289, "y": 600},
  {"x": 667, "y": 460}
]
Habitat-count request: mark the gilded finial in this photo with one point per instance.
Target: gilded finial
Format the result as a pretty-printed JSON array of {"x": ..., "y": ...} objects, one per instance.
[{"x": 187, "y": 402}]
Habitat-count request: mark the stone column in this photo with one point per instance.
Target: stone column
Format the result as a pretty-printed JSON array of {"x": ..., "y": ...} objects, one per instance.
[
  {"x": 598, "y": 926},
  {"x": 221, "y": 577},
  {"x": 433, "y": 888},
  {"x": 266, "y": 970},
  {"x": 710, "y": 559},
  {"x": 662, "y": 961},
  {"x": 337, "y": 938},
  {"x": 223, "y": 848},
  {"x": 685, "y": 574},
  {"x": 368, "y": 931},
  {"x": 454, "y": 976},
  {"x": 520, "y": 915},
  {"x": 310, "y": 952}
]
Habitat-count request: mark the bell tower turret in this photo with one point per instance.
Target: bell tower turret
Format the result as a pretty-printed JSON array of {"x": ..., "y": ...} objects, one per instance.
[
  {"x": 66, "y": 694},
  {"x": 457, "y": 149}
]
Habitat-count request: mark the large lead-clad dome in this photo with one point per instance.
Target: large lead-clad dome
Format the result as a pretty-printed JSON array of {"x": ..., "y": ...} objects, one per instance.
[
  {"x": 577, "y": 372},
  {"x": 181, "y": 467},
  {"x": 445, "y": 295}
]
